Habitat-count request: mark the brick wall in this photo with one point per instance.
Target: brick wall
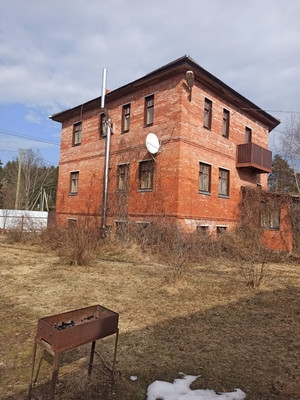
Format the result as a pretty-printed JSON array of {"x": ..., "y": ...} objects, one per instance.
[{"x": 178, "y": 123}]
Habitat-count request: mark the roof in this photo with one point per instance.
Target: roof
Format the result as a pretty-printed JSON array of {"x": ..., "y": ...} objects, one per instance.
[{"x": 181, "y": 65}]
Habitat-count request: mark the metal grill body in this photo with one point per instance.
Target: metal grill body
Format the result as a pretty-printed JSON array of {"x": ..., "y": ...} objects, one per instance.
[{"x": 62, "y": 332}]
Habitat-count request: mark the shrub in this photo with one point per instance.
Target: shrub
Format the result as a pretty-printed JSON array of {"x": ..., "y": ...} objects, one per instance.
[
  {"x": 246, "y": 248},
  {"x": 75, "y": 245}
]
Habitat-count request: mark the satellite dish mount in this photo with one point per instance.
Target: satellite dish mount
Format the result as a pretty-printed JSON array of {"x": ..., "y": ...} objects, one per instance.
[{"x": 189, "y": 77}]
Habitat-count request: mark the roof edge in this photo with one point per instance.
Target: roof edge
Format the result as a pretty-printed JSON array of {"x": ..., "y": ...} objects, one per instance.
[{"x": 201, "y": 74}]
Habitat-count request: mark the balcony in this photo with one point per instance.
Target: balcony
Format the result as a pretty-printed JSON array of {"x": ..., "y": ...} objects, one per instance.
[{"x": 252, "y": 156}]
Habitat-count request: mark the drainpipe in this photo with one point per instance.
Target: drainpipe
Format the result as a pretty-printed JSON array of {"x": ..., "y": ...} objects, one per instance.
[{"x": 106, "y": 165}]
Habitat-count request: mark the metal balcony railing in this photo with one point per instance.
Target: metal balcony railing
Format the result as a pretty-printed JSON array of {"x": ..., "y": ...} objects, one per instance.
[{"x": 250, "y": 155}]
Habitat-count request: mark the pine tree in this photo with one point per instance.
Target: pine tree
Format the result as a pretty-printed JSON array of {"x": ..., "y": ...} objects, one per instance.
[{"x": 282, "y": 177}]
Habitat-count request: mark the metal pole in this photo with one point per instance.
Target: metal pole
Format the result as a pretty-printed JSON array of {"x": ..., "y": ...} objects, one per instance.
[
  {"x": 107, "y": 148},
  {"x": 104, "y": 208},
  {"x": 103, "y": 88}
]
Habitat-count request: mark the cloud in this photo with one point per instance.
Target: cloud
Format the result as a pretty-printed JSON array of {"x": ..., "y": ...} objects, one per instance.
[
  {"x": 33, "y": 117},
  {"x": 52, "y": 53}
]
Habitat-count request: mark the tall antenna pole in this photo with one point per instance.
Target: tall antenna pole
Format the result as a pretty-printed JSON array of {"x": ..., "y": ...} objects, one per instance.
[
  {"x": 107, "y": 147},
  {"x": 103, "y": 88},
  {"x": 19, "y": 180}
]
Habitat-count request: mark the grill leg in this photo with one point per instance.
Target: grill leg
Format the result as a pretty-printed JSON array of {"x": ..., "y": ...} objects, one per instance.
[
  {"x": 54, "y": 374},
  {"x": 115, "y": 355},
  {"x": 32, "y": 370},
  {"x": 39, "y": 367},
  {"x": 91, "y": 358}
]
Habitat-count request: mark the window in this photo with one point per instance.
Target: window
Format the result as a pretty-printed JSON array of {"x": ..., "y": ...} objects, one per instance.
[
  {"x": 225, "y": 127},
  {"x": 126, "y": 118},
  {"x": 146, "y": 172},
  {"x": 103, "y": 125},
  {"x": 149, "y": 110},
  {"x": 223, "y": 182},
  {"x": 204, "y": 178},
  {"x": 72, "y": 222},
  {"x": 270, "y": 216},
  {"x": 123, "y": 177},
  {"x": 248, "y": 135},
  {"x": 202, "y": 230},
  {"x": 207, "y": 113},
  {"x": 121, "y": 228},
  {"x": 221, "y": 230},
  {"x": 77, "y": 133},
  {"x": 74, "y": 182}
]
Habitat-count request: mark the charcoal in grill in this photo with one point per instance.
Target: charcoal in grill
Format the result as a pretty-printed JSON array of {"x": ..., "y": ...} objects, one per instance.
[
  {"x": 64, "y": 325},
  {"x": 89, "y": 318}
]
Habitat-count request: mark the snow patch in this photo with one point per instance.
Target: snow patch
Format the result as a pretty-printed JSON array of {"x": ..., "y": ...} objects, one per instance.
[{"x": 180, "y": 390}]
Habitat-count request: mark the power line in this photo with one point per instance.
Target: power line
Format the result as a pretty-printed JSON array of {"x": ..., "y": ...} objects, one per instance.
[
  {"x": 9, "y": 133},
  {"x": 10, "y": 151},
  {"x": 273, "y": 111}
]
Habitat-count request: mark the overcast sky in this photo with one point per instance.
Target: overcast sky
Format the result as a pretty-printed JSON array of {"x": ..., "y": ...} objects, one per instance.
[{"x": 52, "y": 54}]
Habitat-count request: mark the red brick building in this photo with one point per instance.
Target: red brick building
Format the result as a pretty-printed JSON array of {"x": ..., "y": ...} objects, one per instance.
[{"x": 212, "y": 142}]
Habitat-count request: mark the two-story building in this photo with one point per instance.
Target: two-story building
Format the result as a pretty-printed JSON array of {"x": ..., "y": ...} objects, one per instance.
[{"x": 182, "y": 145}]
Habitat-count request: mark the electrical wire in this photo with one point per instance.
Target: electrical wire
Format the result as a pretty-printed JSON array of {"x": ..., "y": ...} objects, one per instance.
[
  {"x": 273, "y": 111},
  {"x": 9, "y": 133}
]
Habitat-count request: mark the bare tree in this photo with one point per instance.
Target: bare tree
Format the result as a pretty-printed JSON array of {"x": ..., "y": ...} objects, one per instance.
[
  {"x": 291, "y": 147},
  {"x": 34, "y": 176}
]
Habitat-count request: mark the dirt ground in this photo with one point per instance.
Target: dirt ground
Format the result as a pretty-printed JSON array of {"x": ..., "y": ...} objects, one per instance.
[{"x": 211, "y": 325}]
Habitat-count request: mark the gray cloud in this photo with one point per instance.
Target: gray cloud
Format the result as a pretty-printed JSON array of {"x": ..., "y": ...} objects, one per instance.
[{"x": 52, "y": 53}]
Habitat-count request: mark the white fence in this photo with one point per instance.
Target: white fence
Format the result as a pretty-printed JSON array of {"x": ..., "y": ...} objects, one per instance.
[{"x": 23, "y": 219}]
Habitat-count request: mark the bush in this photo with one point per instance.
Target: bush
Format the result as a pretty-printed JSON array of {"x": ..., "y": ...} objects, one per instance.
[
  {"x": 24, "y": 230},
  {"x": 75, "y": 245},
  {"x": 244, "y": 246},
  {"x": 166, "y": 242},
  {"x": 15, "y": 236}
]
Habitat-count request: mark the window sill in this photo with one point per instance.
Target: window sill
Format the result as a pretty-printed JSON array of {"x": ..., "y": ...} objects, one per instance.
[
  {"x": 73, "y": 194},
  {"x": 147, "y": 125},
  {"x": 76, "y": 144},
  {"x": 145, "y": 190},
  {"x": 222, "y": 196},
  {"x": 204, "y": 193}
]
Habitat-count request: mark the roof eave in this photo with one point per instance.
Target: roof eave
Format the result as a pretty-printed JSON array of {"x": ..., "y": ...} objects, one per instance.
[{"x": 175, "y": 67}]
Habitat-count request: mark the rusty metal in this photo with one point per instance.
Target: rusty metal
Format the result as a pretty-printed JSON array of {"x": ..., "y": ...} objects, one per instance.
[
  {"x": 254, "y": 156},
  {"x": 62, "y": 332}
]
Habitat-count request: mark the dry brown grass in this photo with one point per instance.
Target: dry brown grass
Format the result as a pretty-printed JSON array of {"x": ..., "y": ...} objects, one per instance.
[{"x": 212, "y": 325}]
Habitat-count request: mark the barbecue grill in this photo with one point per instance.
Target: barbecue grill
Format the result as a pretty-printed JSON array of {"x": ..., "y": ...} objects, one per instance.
[{"x": 62, "y": 332}]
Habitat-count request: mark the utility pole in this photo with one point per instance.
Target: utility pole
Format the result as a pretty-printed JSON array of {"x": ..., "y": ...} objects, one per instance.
[{"x": 19, "y": 180}]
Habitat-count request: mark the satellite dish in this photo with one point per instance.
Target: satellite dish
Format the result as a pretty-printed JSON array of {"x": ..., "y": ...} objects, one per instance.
[{"x": 152, "y": 143}]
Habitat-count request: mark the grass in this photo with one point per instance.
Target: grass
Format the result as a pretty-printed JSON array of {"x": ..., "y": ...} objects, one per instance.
[{"x": 210, "y": 325}]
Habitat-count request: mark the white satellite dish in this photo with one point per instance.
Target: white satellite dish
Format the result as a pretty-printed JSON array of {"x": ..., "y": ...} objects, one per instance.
[{"x": 152, "y": 143}]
